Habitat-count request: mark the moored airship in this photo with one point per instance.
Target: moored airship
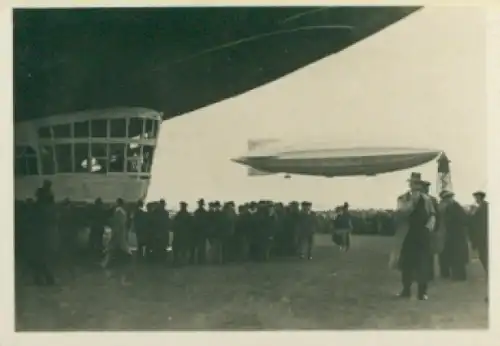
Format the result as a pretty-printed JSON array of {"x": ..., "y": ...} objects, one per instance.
[
  {"x": 326, "y": 160},
  {"x": 87, "y": 116}
]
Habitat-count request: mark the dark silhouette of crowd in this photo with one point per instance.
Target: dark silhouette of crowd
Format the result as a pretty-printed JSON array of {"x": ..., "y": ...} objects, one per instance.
[{"x": 214, "y": 232}]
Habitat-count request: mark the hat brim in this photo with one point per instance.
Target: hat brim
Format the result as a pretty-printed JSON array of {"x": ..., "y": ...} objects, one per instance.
[{"x": 418, "y": 181}]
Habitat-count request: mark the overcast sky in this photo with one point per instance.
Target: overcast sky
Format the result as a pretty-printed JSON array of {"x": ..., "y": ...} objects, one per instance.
[{"x": 420, "y": 82}]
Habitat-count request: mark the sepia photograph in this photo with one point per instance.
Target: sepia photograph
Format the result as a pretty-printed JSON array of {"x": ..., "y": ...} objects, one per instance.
[{"x": 277, "y": 168}]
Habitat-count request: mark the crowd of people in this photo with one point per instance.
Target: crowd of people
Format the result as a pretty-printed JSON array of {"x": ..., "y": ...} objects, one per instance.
[{"x": 219, "y": 233}]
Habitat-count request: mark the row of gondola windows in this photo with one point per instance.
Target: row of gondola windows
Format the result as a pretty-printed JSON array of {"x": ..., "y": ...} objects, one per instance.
[
  {"x": 113, "y": 128},
  {"x": 85, "y": 158}
]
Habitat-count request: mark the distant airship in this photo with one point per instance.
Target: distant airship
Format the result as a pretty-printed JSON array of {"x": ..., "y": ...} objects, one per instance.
[{"x": 274, "y": 157}]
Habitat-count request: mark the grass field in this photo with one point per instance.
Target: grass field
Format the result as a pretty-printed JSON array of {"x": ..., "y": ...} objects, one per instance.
[{"x": 335, "y": 290}]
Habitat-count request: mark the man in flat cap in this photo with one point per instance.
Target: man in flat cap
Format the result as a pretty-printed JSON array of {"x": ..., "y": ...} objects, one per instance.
[
  {"x": 416, "y": 218},
  {"x": 455, "y": 254}
]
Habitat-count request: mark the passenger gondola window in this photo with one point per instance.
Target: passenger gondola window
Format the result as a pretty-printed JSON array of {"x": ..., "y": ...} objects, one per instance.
[
  {"x": 118, "y": 128},
  {"x": 116, "y": 158},
  {"x": 134, "y": 158},
  {"x": 99, "y": 128},
  {"x": 82, "y": 129},
  {"x": 135, "y": 128},
  {"x": 149, "y": 128},
  {"x": 62, "y": 131},
  {"x": 81, "y": 158},
  {"x": 147, "y": 162},
  {"x": 64, "y": 158},
  {"x": 47, "y": 159},
  {"x": 99, "y": 157}
]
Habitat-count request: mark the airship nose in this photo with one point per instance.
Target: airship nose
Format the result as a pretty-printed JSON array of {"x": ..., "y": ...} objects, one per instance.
[{"x": 239, "y": 159}]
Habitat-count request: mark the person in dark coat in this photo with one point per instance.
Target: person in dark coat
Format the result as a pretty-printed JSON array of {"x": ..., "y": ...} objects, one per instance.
[
  {"x": 182, "y": 226},
  {"x": 416, "y": 247},
  {"x": 455, "y": 255},
  {"x": 242, "y": 230},
  {"x": 216, "y": 232},
  {"x": 40, "y": 235},
  {"x": 291, "y": 225},
  {"x": 200, "y": 234},
  {"x": 160, "y": 232},
  {"x": 307, "y": 228},
  {"x": 434, "y": 234},
  {"x": 343, "y": 227},
  {"x": 98, "y": 219},
  {"x": 227, "y": 229},
  {"x": 479, "y": 229}
]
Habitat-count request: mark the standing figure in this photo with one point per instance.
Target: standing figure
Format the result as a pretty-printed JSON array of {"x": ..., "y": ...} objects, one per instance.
[
  {"x": 343, "y": 227},
  {"x": 160, "y": 232},
  {"x": 241, "y": 233},
  {"x": 437, "y": 235},
  {"x": 455, "y": 255},
  {"x": 215, "y": 233},
  {"x": 140, "y": 227},
  {"x": 98, "y": 221},
  {"x": 182, "y": 227},
  {"x": 118, "y": 251},
  {"x": 42, "y": 228},
  {"x": 307, "y": 227},
  {"x": 292, "y": 229},
  {"x": 200, "y": 230},
  {"x": 416, "y": 207},
  {"x": 227, "y": 229},
  {"x": 479, "y": 229}
]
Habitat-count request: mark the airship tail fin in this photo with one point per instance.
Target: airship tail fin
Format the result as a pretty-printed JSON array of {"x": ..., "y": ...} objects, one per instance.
[
  {"x": 254, "y": 144},
  {"x": 252, "y": 172}
]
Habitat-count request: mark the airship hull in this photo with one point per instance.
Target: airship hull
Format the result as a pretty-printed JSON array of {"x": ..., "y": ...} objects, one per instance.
[{"x": 340, "y": 162}]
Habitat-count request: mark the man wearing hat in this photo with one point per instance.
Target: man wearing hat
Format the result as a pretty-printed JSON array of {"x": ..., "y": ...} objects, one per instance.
[
  {"x": 215, "y": 237},
  {"x": 291, "y": 228},
  {"x": 343, "y": 227},
  {"x": 416, "y": 218},
  {"x": 307, "y": 222},
  {"x": 200, "y": 229},
  {"x": 436, "y": 235},
  {"x": 182, "y": 227},
  {"x": 479, "y": 223},
  {"x": 455, "y": 254},
  {"x": 160, "y": 235}
]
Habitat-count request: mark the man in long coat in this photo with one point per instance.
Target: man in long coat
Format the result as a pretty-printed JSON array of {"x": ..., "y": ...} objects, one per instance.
[
  {"x": 413, "y": 247},
  {"x": 308, "y": 225},
  {"x": 479, "y": 232},
  {"x": 455, "y": 255},
  {"x": 479, "y": 229},
  {"x": 118, "y": 249},
  {"x": 437, "y": 234}
]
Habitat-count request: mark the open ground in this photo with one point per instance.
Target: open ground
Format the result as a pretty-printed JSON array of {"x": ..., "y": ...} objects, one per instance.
[{"x": 335, "y": 291}]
